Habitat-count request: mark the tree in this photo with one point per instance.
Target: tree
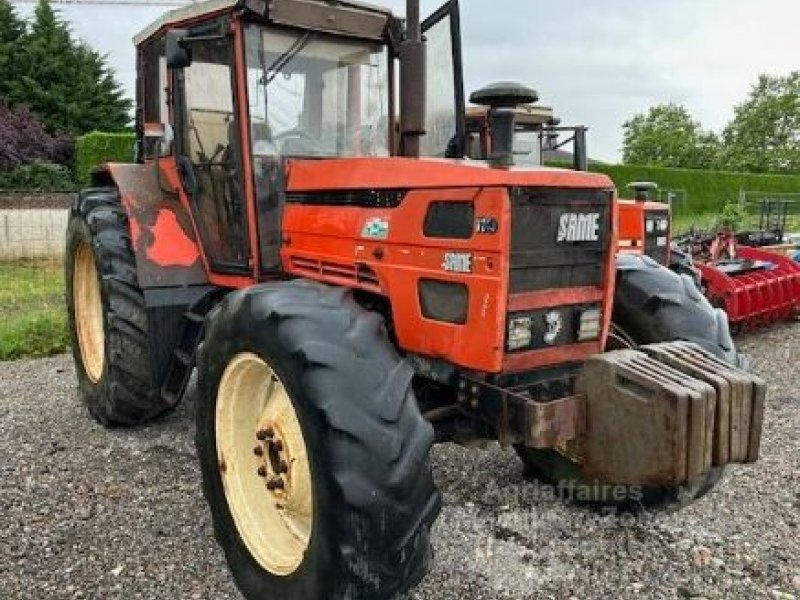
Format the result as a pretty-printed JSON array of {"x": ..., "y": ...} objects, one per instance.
[
  {"x": 764, "y": 135},
  {"x": 23, "y": 140},
  {"x": 667, "y": 136},
  {"x": 65, "y": 83},
  {"x": 12, "y": 31}
]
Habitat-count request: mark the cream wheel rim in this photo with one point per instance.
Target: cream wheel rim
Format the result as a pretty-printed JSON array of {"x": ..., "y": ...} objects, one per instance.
[
  {"x": 264, "y": 464},
  {"x": 88, "y": 306}
]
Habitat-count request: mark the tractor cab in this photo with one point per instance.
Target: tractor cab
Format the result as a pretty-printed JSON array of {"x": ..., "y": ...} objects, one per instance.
[
  {"x": 531, "y": 120},
  {"x": 538, "y": 134},
  {"x": 235, "y": 90}
]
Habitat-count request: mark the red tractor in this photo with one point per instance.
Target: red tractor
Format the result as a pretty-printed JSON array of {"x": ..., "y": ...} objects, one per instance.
[{"x": 350, "y": 289}]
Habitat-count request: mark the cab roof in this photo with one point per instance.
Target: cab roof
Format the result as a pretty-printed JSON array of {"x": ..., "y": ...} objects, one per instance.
[{"x": 350, "y": 17}]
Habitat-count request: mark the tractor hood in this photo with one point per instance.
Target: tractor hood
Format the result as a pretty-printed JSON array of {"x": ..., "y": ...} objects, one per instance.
[{"x": 409, "y": 173}]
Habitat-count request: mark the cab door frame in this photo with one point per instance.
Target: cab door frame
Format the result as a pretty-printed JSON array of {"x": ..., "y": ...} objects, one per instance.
[{"x": 220, "y": 28}]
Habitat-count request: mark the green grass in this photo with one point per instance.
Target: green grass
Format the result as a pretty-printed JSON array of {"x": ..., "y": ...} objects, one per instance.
[{"x": 32, "y": 316}]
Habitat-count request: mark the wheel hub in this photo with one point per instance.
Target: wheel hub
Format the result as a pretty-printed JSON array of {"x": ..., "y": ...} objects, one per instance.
[
  {"x": 275, "y": 467},
  {"x": 266, "y": 474}
]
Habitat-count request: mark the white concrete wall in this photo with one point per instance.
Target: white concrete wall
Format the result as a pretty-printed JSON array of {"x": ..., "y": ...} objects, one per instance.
[{"x": 32, "y": 233}]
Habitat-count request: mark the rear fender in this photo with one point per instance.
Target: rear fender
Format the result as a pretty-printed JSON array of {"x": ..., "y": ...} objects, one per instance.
[
  {"x": 162, "y": 233},
  {"x": 169, "y": 265}
]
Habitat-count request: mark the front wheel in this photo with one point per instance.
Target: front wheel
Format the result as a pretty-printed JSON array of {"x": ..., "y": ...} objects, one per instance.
[
  {"x": 651, "y": 305},
  {"x": 107, "y": 315},
  {"x": 313, "y": 451}
]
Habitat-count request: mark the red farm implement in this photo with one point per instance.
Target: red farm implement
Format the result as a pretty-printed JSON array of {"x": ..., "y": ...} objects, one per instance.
[{"x": 755, "y": 286}]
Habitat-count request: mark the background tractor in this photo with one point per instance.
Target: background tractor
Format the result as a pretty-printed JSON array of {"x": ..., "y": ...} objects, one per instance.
[
  {"x": 750, "y": 275},
  {"x": 350, "y": 289}
]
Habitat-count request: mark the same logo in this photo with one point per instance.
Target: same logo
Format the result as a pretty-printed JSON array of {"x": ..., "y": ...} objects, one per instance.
[{"x": 579, "y": 227}]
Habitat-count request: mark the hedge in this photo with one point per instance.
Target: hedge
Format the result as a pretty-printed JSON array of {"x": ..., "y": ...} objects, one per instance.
[
  {"x": 98, "y": 147},
  {"x": 37, "y": 177},
  {"x": 706, "y": 191}
]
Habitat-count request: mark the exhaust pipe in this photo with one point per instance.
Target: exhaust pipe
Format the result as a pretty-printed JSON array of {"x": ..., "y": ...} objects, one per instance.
[{"x": 412, "y": 83}]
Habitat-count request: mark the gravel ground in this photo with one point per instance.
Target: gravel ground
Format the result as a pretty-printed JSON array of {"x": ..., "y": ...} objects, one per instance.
[{"x": 90, "y": 513}]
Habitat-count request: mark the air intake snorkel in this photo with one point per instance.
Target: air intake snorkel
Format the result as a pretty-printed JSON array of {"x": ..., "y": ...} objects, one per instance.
[{"x": 502, "y": 99}]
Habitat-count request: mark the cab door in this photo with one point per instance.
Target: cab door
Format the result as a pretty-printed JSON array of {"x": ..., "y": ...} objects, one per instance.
[
  {"x": 209, "y": 155},
  {"x": 445, "y": 104}
]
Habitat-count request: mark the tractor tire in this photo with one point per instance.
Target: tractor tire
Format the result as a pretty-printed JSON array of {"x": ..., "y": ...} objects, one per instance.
[
  {"x": 106, "y": 313},
  {"x": 347, "y": 469},
  {"x": 652, "y": 304}
]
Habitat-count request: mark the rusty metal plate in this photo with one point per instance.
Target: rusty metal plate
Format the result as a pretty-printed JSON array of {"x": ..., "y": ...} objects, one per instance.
[
  {"x": 647, "y": 423},
  {"x": 701, "y": 416},
  {"x": 550, "y": 424},
  {"x": 740, "y": 399}
]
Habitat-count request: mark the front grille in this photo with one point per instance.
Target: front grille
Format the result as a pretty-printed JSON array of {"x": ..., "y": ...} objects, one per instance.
[
  {"x": 539, "y": 261},
  {"x": 656, "y": 238}
]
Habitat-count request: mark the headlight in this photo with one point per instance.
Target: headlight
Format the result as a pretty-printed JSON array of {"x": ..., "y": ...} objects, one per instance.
[
  {"x": 651, "y": 225},
  {"x": 589, "y": 328},
  {"x": 519, "y": 332}
]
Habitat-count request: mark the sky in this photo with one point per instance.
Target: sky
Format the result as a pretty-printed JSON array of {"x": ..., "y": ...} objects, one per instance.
[{"x": 597, "y": 62}]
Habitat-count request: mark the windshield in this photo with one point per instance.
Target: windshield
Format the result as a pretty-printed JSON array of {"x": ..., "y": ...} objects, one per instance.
[{"x": 311, "y": 94}]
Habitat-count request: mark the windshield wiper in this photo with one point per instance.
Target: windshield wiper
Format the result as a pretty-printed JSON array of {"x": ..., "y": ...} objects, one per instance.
[{"x": 287, "y": 56}]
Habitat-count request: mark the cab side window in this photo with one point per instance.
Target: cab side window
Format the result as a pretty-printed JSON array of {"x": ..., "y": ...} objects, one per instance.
[{"x": 154, "y": 99}]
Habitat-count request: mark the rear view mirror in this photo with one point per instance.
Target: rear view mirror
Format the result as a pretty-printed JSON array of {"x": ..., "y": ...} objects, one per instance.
[{"x": 179, "y": 54}]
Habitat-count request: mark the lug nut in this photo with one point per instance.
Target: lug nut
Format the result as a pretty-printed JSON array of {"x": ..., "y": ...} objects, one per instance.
[
  {"x": 266, "y": 433},
  {"x": 258, "y": 451},
  {"x": 262, "y": 471},
  {"x": 275, "y": 484}
]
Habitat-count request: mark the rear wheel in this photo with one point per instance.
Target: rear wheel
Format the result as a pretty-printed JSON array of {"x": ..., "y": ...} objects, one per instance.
[
  {"x": 313, "y": 451},
  {"x": 106, "y": 311},
  {"x": 652, "y": 304}
]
